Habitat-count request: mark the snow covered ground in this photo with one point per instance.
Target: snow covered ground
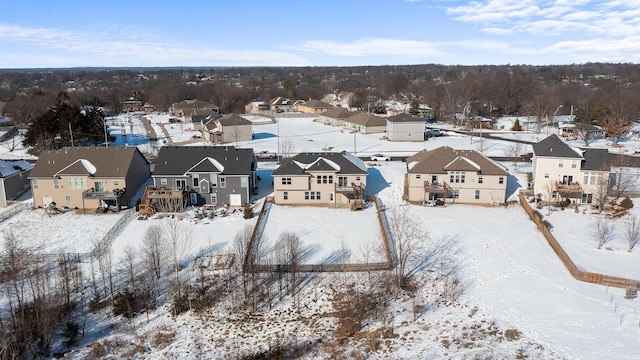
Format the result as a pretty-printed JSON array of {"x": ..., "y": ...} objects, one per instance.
[{"x": 511, "y": 276}]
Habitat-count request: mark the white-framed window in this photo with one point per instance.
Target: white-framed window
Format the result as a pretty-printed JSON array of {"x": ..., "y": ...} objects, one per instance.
[
  {"x": 243, "y": 182},
  {"x": 317, "y": 195},
  {"x": 306, "y": 195},
  {"x": 223, "y": 182},
  {"x": 56, "y": 184},
  {"x": 480, "y": 179},
  {"x": 214, "y": 198},
  {"x": 34, "y": 184},
  {"x": 501, "y": 180},
  {"x": 417, "y": 176},
  {"x": 196, "y": 181},
  {"x": 574, "y": 164},
  {"x": 116, "y": 183},
  {"x": 286, "y": 181},
  {"x": 67, "y": 199},
  {"x": 330, "y": 179},
  {"x": 456, "y": 177},
  {"x": 477, "y": 194},
  {"x": 214, "y": 180},
  {"x": 285, "y": 195},
  {"x": 163, "y": 181},
  {"x": 546, "y": 175},
  {"x": 357, "y": 178},
  {"x": 560, "y": 163}
]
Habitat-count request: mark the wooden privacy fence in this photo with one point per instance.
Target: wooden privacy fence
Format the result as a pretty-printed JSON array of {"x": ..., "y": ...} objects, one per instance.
[
  {"x": 249, "y": 266},
  {"x": 578, "y": 274}
]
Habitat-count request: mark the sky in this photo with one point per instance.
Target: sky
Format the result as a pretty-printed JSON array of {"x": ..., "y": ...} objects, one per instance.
[{"x": 201, "y": 33}]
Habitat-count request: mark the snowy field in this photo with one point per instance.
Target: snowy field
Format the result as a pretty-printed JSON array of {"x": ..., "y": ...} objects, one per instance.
[{"x": 511, "y": 276}]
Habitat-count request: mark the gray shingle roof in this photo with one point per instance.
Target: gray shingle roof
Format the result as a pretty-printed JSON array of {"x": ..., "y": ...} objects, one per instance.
[
  {"x": 553, "y": 146},
  {"x": 366, "y": 119},
  {"x": 303, "y": 163},
  {"x": 405, "y": 118},
  {"x": 444, "y": 159},
  {"x": 177, "y": 160},
  {"x": 106, "y": 161},
  {"x": 596, "y": 160},
  {"x": 233, "y": 119}
]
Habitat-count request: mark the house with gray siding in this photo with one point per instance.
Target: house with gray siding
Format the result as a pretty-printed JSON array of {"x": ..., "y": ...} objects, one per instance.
[
  {"x": 13, "y": 179},
  {"x": 217, "y": 175}
]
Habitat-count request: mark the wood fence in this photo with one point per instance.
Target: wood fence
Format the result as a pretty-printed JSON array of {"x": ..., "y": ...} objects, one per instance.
[
  {"x": 578, "y": 274},
  {"x": 249, "y": 266}
]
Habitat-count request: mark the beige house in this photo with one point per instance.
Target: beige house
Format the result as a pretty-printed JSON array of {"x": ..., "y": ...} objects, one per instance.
[
  {"x": 313, "y": 107},
  {"x": 187, "y": 108},
  {"x": 327, "y": 179},
  {"x": 404, "y": 127},
  {"x": 335, "y": 116},
  {"x": 456, "y": 176},
  {"x": 569, "y": 174},
  {"x": 88, "y": 177},
  {"x": 230, "y": 128},
  {"x": 366, "y": 123}
]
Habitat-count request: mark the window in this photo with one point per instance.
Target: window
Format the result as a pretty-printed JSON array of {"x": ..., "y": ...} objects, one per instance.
[
  {"x": 34, "y": 184},
  {"x": 462, "y": 178},
  {"x": 214, "y": 198},
  {"x": 317, "y": 195},
  {"x": 330, "y": 179},
  {"x": 417, "y": 176},
  {"x": 477, "y": 194},
  {"x": 318, "y": 179},
  {"x": 214, "y": 180},
  {"x": 574, "y": 164},
  {"x": 560, "y": 163},
  {"x": 67, "y": 199},
  {"x": 76, "y": 183},
  {"x": 357, "y": 178},
  {"x": 163, "y": 181},
  {"x": 546, "y": 175},
  {"x": 116, "y": 183},
  {"x": 56, "y": 184},
  {"x": 480, "y": 179},
  {"x": 285, "y": 195},
  {"x": 306, "y": 195},
  {"x": 196, "y": 182},
  {"x": 312, "y": 195},
  {"x": 194, "y": 198},
  {"x": 456, "y": 177},
  {"x": 456, "y": 194},
  {"x": 501, "y": 180},
  {"x": 243, "y": 182},
  {"x": 286, "y": 181},
  {"x": 99, "y": 186},
  {"x": 223, "y": 182}
]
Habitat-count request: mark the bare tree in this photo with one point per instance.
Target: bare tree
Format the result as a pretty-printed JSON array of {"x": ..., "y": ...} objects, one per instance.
[
  {"x": 549, "y": 193},
  {"x": 601, "y": 193},
  {"x": 632, "y": 231},
  {"x": 603, "y": 231},
  {"x": 178, "y": 238},
  {"x": 514, "y": 150},
  {"x": 154, "y": 250},
  {"x": 286, "y": 147},
  {"x": 625, "y": 174},
  {"x": 408, "y": 237}
]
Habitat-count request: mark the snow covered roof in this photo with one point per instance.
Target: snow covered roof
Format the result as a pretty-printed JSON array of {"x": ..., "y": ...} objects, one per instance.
[{"x": 8, "y": 167}]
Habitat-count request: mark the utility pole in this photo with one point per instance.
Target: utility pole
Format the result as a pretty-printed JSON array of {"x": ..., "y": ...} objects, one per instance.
[{"x": 71, "y": 134}]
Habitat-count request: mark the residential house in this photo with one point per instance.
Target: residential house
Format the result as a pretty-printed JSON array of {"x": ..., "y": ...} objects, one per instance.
[
  {"x": 187, "y": 107},
  {"x": 88, "y": 177},
  {"x": 314, "y": 107},
  {"x": 405, "y": 127},
  {"x": 257, "y": 107},
  {"x": 198, "y": 122},
  {"x": 230, "y": 128},
  {"x": 342, "y": 99},
  {"x": 197, "y": 175},
  {"x": 366, "y": 123},
  {"x": 457, "y": 176},
  {"x": 335, "y": 116},
  {"x": 14, "y": 179},
  {"x": 280, "y": 104},
  {"x": 330, "y": 179},
  {"x": 564, "y": 173}
]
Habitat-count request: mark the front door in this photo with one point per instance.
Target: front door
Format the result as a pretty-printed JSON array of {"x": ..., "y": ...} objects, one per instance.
[{"x": 567, "y": 179}]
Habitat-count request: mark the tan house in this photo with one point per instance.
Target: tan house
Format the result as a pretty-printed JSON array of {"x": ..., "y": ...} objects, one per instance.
[
  {"x": 88, "y": 177},
  {"x": 456, "y": 176},
  {"x": 335, "y": 116},
  {"x": 328, "y": 179},
  {"x": 366, "y": 123},
  {"x": 314, "y": 107},
  {"x": 230, "y": 128},
  {"x": 187, "y": 108},
  {"x": 569, "y": 174},
  {"x": 405, "y": 127}
]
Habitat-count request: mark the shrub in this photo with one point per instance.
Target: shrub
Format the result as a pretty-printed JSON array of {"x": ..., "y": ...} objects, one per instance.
[
  {"x": 248, "y": 212},
  {"x": 626, "y": 203}
]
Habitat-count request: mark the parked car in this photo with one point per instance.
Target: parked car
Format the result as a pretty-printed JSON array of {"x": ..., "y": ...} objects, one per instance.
[
  {"x": 265, "y": 155},
  {"x": 434, "y": 133},
  {"x": 380, "y": 157}
]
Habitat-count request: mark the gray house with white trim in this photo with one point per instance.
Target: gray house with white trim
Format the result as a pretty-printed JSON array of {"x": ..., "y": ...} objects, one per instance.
[{"x": 218, "y": 175}]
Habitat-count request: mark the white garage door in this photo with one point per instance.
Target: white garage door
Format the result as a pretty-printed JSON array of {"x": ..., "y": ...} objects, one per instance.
[{"x": 235, "y": 199}]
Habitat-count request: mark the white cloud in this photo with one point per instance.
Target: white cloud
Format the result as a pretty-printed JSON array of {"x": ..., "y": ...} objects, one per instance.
[
  {"x": 367, "y": 47},
  {"x": 497, "y": 31}
]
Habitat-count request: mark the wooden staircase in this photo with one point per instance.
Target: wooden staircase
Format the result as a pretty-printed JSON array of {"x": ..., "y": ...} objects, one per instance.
[{"x": 145, "y": 207}]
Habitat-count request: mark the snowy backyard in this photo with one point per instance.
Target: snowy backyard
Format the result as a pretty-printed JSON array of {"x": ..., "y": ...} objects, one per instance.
[{"x": 517, "y": 299}]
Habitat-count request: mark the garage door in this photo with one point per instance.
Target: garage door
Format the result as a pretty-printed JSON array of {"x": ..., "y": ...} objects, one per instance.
[{"x": 235, "y": 200}]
